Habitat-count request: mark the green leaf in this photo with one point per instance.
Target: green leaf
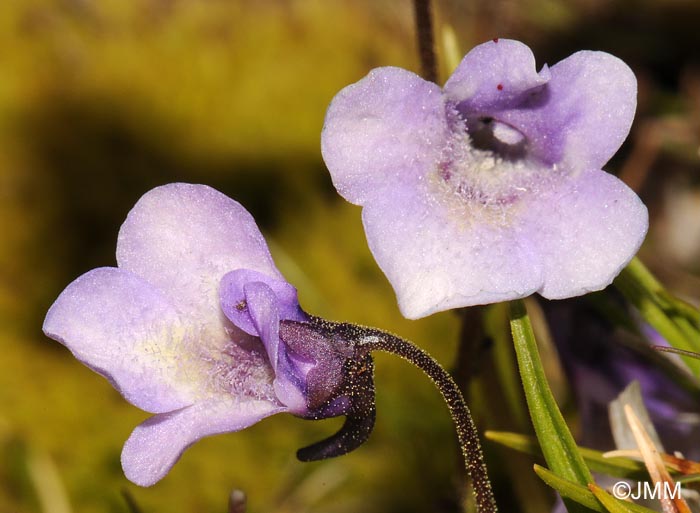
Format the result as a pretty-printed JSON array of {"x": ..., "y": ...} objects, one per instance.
[
  {"x": 611, "y": 504},
  {"x": 618, "y": 467},
  {"x": 690, "y": 478},
  {"x": 570, "y": 490},
  {"x": 581, "y": 494},
  {"x": 629, "y": 335},
  {"x": 673, "y": 319},
  {"x": 558, "y": 446},
  {"x": 681, "y": 308}
]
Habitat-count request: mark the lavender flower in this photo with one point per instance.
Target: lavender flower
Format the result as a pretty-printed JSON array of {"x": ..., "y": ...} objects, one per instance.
[
  {"x": 198, "y": 326},
  {"x": 602, "y": 361},
  {"x": 490, "y": 189}
]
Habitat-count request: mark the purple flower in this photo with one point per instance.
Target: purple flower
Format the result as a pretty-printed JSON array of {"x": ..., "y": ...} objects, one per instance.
[
  {"x": 198, "y": 326},
  {"x": 491, "y": 188},
  {"x": 601, "y": 361}
]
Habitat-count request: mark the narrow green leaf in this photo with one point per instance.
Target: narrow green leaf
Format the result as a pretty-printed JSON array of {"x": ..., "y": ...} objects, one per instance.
[
  {"x": 665, "y": 315},
  {"x": 691, "y": 478},
  {"x": 581, "y": 494},
  {"x": 630, "y": 336},
  {"x": 570, "y": 490},
  {"x": 682, "y": 308},
  {"x": 558, "y": 446},
  {"x": 610, "y": 503},
  {"x": 617, "y": 467}
]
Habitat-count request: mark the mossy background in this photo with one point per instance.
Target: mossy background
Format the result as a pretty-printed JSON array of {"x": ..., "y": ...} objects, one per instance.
[{"x": 101, "y": 101}]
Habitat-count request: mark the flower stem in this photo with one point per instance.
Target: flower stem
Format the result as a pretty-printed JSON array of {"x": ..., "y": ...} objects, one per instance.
[
  {"x": 376, "y": 340},
  {"x": 426, "y": 44}
]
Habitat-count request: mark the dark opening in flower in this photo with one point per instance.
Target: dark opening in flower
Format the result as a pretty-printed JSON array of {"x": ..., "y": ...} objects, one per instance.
[
  {"x": 499, "y": 138},
  {"x": 490, "y": 188}
]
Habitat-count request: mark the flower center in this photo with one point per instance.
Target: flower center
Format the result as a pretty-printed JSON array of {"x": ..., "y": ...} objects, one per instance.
[
  {"x": 501, "y": 139},
  {"x": 486, "y": 163},
  {"x": 240, "y": 367}
]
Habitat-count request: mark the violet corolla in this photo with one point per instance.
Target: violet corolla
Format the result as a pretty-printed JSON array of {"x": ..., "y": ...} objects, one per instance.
[
  {"x": 490, "y": 188},
  {"x": 197, "y": 326},
  {"x": 601, "y": 361}
]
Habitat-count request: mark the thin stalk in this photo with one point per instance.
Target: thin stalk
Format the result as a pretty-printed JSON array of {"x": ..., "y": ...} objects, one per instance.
[
  {"x": 675, "y": 350},
  {"x": 426, "y": 43},
  {"x": 376, "y": 340}
]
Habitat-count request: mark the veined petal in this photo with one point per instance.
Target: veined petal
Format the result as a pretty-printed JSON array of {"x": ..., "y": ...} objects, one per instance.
[
  {"x": 263, "y": 305},
  {"x": 582, "y": 116},
  {"x": 256, "y": 303},
  {"x": 586, "y": 231},
  {"x": 126, "y": 330},
  {"x": 184, "y": 238},
  {"x": 232, "y": 294},
  {"x": 156, "y": 445},
  {"x": 593, "y": 98},
  {"x": 493, "y": 76},
  {"x": 381, "y": 131},
  {"x": 439, "y": 256}
]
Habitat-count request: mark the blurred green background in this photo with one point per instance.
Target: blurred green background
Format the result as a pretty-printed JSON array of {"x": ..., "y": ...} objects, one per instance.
[{"x": 102, "y": 100}]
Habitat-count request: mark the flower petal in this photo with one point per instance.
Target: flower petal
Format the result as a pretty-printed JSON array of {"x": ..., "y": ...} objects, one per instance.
[
  {"x": 494, "y": 75},
  {"x": 586, "y": 232},
  {"x": 183, "y": 238},
  {"x": 382, "y": 130},
  {"x": 439, "y": 256},
  {"x": 156, "y": 445},
  {"x": 232, "y": 294},
  {"x": 593, "y": 101},
  {"x": 263, "y": 305},
  {"x": 256, "y": 303},
  {"x": 126, "y": 330},
  {"x": 582, "y": 116}
]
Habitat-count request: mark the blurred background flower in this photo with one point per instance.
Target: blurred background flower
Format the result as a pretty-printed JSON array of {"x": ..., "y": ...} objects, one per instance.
[{"x": 101, "y": 101}]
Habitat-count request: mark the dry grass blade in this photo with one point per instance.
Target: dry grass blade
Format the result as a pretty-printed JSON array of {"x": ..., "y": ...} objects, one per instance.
[
  {"x": 680, "y": 465},
  {"x": 655, "y": 465}
]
